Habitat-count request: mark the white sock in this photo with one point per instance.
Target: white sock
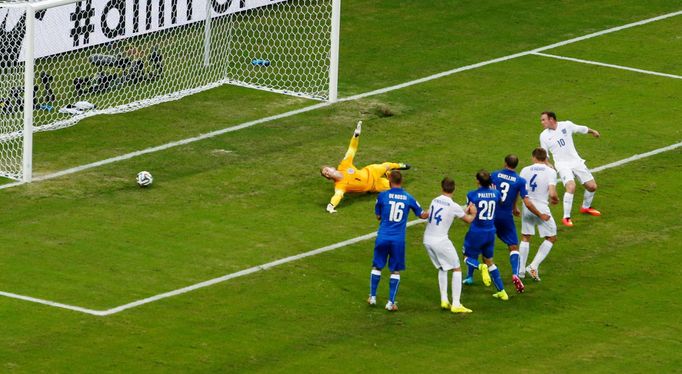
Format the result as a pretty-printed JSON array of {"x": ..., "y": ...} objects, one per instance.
[
  {"x": 524, "y": 248},
  {"x": 587, "y": 199},
  {"x": 456, "y": 287},
  {"x": 443, "y": 284},
  {"x": 543, "y": 251},
  {"x": 568, "y": 204}
]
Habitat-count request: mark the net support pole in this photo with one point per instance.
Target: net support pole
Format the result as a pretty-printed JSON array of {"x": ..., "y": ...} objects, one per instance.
[
  {"x": 29, "y": 40},
  {"x": 207, "y": 34},
  {"x": 334, "y": 52}
]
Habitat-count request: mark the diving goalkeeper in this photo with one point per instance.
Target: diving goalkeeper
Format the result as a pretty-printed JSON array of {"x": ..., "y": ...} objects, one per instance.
[{"x": 347, "y": 178}]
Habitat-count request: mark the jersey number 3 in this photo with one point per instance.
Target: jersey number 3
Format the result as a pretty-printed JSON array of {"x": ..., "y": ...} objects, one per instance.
[{"x": 504, "y": 189}]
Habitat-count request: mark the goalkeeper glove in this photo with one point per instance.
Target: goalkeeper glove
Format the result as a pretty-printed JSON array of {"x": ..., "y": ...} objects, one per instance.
[
  {"x": 330, "y": 208},
  {"x": 358, "y": 129}
]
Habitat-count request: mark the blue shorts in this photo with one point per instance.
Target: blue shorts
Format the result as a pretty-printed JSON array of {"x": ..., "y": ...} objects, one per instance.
[
  {"x": 391, "y": 250},
  {"x": 506, "y": 229},
  {"x": 478, "y": 243}
]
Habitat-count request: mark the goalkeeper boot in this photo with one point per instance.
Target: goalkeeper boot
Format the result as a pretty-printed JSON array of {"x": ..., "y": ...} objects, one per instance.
[
  {"x": 518, "y": 284},
  {"x": 460, "y": 309},
  {"x": 403, "y": 166},
  {"x": 502, "y": 295},
  {"x": 468, "y": 281},
  {"x": 358, "y": 129},
  {"x": 485, "y": 274},
  {"x": 445, "y": 305},
  {"x": 372, "y": 301},
  {"x": 391, "y": 307}
]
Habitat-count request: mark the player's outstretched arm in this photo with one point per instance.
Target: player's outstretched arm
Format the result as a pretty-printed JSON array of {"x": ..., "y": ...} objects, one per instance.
[
  {"x": 336, "y": 199},
  {"x": 471, "y": 209},
  {"x": 468, "y": 218},
  {"x": 593, "y": 132}
]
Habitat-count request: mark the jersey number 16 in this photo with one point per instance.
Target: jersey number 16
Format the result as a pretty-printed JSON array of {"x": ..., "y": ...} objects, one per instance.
[{"x": 396, "y": 213}]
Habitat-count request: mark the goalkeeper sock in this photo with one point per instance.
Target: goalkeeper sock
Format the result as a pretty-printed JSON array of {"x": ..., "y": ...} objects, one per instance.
[{"x": 374, "y": 278}]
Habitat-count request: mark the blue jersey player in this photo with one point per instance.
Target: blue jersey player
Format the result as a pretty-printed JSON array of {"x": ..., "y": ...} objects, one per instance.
[
  {"x": 511, "y": 186},
  {"x": 480, "y": 239},
  {"x": 392, "y": 209}
]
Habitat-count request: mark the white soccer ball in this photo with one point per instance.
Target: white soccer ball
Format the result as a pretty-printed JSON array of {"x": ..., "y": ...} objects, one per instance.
[{"x": 144, "y": 179}]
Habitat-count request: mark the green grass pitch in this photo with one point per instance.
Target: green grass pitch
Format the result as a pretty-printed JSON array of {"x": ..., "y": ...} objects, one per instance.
[{"x": 609, "y": 300}]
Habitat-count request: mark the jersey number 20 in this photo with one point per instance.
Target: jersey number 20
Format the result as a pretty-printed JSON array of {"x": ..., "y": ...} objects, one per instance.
[{"x": 486, "y": 210}]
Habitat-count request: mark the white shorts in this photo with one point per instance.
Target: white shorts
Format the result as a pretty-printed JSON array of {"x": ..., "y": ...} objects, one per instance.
[
  {"x": 579, "y": 169},
  {"x": 530, "y": 220},
  {"x": 442, "y": 253}
]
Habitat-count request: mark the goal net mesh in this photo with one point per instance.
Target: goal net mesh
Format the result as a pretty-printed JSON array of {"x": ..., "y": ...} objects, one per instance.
[{"x": 276, "y": 45}]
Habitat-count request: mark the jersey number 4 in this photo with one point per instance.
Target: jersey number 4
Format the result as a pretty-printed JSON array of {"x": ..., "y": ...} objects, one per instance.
[
  {"x": 533, "y": 185},
  {"x": 396, "y": 213}
]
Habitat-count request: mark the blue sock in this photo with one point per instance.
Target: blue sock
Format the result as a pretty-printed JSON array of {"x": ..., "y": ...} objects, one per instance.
[
  {"x": 470, "y": 271},
  {"x": 393, "y": 287},
  {"x": 497, "y": 279},
  {"x": 514, "y": 261},
  {"x": 472, "y": 264},
  {"x": 374, "y": 278}
]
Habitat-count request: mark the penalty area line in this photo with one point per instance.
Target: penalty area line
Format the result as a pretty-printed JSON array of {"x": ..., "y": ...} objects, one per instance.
[
  {"x": 602, "y": 64},
  {"x": 282, "y": 261}
]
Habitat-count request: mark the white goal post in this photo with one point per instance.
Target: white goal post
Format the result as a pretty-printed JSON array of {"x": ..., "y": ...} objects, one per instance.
[{"x": 65, "y": 60}]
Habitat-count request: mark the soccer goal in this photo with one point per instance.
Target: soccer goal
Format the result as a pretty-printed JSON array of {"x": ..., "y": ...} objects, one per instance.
[{"x": 64, "y": 60}]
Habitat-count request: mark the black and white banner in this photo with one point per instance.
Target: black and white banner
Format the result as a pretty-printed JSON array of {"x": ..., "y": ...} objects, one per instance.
[{"x": 92, "y": 22}]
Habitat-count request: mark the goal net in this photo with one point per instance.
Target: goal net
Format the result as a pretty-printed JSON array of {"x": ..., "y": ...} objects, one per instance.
[{"x": 62, "y": 61}]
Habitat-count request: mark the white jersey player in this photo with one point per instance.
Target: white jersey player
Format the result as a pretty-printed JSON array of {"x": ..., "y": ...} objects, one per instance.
[
  {"x": 557, "y": 139},
  {"x": 442, "y": 213},
  {"x": 541, "y": 185}
]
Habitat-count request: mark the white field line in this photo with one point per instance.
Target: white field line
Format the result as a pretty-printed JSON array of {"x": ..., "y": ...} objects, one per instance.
[
  {"x": 636, "y": 157},
  {"x": 285, "y": 260},
  {"x": 52, "y": 303},
  {"x": 349, "y": 98},
  {"x": 608, "y": 65},
  {"x": 288, "y": 114}
]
